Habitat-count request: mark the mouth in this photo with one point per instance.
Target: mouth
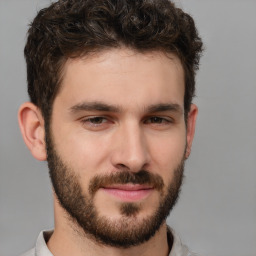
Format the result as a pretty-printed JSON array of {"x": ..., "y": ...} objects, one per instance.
[{"x": 128, "y": 192}]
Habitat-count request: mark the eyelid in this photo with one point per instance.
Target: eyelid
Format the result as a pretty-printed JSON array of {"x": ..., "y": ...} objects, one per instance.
[
  {"x": 88, "y": 118},
  {"x": 87, "y": 122},
  {"x": 165, "y": 119}
]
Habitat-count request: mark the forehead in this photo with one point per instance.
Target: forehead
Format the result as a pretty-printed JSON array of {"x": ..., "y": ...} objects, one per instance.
[{"x": 119, "y": 76}]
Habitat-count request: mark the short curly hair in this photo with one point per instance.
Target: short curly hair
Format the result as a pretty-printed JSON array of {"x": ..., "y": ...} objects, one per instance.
[{"x": 73, "y": 28}]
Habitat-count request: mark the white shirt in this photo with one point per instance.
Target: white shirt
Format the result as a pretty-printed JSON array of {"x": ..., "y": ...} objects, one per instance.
[{"x": 41, "y": 249}]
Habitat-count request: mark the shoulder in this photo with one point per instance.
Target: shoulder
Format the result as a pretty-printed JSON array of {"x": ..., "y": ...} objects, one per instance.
[
  {"x": 41, "y": 248},
  {"x": 178, "y": 248},
  {"x": 31, "y": 252}
]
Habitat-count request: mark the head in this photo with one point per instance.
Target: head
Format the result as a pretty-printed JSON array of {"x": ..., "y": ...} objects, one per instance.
[
  {"x": 111, "y": 85},
  {"x": 76, "y": 28}
]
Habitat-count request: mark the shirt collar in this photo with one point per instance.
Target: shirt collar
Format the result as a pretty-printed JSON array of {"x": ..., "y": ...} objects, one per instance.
[
  {"x": 41, "y": 246},
  {"x": 178, "y": 249}
]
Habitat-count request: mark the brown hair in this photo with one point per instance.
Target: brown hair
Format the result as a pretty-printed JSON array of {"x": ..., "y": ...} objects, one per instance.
[{"x": 72, "y": 28}]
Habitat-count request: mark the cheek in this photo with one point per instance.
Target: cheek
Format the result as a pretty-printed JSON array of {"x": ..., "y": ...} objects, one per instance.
[
  {"x": 167, "y": 152},
  {"x": 83, "y": 151}
]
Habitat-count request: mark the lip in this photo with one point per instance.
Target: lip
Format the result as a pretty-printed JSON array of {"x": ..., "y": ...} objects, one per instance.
[{"x": 129, "y": 192}]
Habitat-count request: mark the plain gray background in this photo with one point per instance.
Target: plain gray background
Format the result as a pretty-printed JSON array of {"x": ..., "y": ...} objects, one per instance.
[{"x": 216, "y": 213}]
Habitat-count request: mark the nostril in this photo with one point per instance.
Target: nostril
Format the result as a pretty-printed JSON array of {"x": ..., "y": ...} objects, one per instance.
[{"x": 123, "y": 167}]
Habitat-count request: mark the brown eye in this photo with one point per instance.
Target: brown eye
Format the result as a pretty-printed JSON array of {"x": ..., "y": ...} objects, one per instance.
[
  {"x": 157, "y": 120},
  {"x": 96, "y": 123},
  {"x": 96, "y": 120}
]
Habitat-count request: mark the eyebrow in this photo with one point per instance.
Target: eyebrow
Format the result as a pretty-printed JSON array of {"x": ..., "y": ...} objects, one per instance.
[
  {"x": 163, "y": 107},
  {"x": 100, "y": 106},
  {"x": 94, "y": 106}
]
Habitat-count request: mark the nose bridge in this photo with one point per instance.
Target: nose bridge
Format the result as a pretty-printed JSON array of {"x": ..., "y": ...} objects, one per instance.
[{"x": 132, "y": 151}]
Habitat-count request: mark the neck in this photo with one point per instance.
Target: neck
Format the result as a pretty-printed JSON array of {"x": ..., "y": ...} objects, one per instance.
[{"x": 66, "y": 241}]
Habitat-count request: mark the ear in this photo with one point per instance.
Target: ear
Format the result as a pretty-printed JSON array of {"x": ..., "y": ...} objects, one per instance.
[
  {"x": 191, "y": 124},
  {"x": 31, "y": 124}
]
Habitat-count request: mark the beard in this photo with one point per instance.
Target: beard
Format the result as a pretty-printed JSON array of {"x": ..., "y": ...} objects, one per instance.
[{"x": 128, "y": 230}]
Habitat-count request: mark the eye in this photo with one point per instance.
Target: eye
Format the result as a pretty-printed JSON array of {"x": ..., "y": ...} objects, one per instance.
[
  {"x": 158, "y": 120},
  {"x": 96, "y": 120},
  {"x": 95, "y": 123}
]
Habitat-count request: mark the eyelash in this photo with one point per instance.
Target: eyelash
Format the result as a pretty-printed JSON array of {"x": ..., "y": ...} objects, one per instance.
[
  {"x": 162, "y": 120},
  {"x": 94, "y": 120},
  {"x": 97, "y": 121}
]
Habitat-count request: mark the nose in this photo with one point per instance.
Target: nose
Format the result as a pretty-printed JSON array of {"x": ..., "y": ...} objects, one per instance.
[{"x": 130, "y": 149}]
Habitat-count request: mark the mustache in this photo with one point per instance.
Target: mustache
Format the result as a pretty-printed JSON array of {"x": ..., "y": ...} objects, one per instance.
[{"x": 142, "y": 177}]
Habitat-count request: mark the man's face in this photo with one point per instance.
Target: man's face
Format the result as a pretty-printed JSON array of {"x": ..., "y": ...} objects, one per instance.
[{"x": 116, "y": 143}]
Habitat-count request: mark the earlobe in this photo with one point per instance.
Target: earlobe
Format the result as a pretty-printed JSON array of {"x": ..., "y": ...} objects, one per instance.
[
  {"x": 31, "y": 124},
  {"x": 191, "y": 124}
]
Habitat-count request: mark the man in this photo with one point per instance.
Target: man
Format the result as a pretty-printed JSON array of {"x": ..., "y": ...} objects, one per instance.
[{"x": 111, "y": 86}]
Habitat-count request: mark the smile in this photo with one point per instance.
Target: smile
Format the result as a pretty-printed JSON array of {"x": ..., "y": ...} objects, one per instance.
[{"x": 129, "y": 192}]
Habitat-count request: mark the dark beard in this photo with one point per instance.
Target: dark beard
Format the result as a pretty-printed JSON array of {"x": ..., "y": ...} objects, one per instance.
[{"x": 125, "y": 232}]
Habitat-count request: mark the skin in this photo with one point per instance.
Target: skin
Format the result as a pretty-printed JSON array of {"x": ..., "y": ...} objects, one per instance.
[{"x": 127, "y": 135}]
